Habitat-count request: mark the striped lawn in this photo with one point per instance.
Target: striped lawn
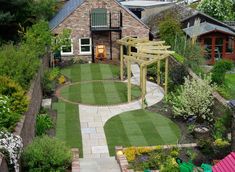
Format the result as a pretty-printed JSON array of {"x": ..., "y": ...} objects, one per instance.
[
  {"x": 99, "y": 93},
  {"x": 68, "y": 125},
  {"x": 140, "y": 128},
  {"x": 87, "y": 72}
]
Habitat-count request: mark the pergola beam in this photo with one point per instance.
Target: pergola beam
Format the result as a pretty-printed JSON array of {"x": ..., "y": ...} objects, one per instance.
[{"x": 149, "y": 52}]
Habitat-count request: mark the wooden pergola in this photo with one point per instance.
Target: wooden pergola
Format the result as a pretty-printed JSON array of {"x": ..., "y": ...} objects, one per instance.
[{"x": 148, "y": 52}]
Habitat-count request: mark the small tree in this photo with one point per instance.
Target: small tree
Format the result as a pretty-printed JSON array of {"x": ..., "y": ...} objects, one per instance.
[
  {"x": 169, "y": 28},
  {"x": 219, "y": 9},
  {"x": 219, "y": 70},
  {"x": 194, "y": 98}
]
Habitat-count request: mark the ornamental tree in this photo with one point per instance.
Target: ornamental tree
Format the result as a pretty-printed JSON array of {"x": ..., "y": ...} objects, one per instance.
[
  {"x": 194, "y": 98},
  {"x": 219, "y": 9}
]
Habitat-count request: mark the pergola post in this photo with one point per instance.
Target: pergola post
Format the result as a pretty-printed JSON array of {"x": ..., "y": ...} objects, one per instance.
[
  {"x": 166, "y": 75},
  {"x": 158, "y": 72},
  {"x": 129, "y": 50},
  {"x": 141, "y": 77},
  {"x": 121, "y": 62},
  {"x": 129, "y": 80}
]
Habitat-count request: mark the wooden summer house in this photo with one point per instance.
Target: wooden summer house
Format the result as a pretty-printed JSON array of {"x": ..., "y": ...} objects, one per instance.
[{"x": 216, "y": 37}]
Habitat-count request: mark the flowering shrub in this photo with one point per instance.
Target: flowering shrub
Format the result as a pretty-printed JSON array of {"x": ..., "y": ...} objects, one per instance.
[
  {"x": 11, "y": 146},
  {"x": 194, "y": 98},
  {"x": 8, "y": 118},
  {"x": 131, "y": 152},
  {"x": 152, "y": 158}
]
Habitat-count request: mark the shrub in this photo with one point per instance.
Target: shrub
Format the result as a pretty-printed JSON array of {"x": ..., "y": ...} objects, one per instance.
[
  {"x": 43, "y": 123},
  {"x": 19, "y": 63},
  {"x": 38, "y": 37},
  {"x": 219, "y": 129},
  {"x": 169, "y": 28},
  {"x": 61, "y": 79},
  {"x": 48, "y": 82},
  {"x": 220, "y": 143},
  {"x": 179, "y": 58},
  {"x": 219, "y": 70},
  {"x": 54, "y": 73},
  {"x": 194, "y": 98},
  {"x": 46, "y": 154},
  {"x": 8, "y": 118},
  {"x": 177, "y": 74},
  {"x": 15, "y": 92}
]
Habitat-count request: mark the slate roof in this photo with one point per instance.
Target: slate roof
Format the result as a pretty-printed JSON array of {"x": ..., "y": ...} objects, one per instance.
[
  {"x": 225, "y": 165},
  {"x": 67, "y": 9},
  {"x": 225, "y": 24},
  {"x": 204, "y": 28},
  {"x": 71, "y": 6}
]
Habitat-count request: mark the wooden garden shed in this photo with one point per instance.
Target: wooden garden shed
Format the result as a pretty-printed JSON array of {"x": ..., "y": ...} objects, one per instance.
[{"x": 216, "y": 37}]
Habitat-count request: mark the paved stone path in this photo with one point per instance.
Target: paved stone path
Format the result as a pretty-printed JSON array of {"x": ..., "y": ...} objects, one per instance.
[{"x": 93, "y": 118}]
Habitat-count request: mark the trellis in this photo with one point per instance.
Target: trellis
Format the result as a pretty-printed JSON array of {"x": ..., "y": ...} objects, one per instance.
[{"x": 148, "y": 52}]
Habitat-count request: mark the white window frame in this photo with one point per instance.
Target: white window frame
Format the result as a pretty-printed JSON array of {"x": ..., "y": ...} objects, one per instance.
[
  {"x": 67, "y": 53},
  {"x": 80, "y": 46}
]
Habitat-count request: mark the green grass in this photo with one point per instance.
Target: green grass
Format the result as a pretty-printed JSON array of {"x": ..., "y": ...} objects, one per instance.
[
  {"x": 99, "y": 93},
  {"x": 68, "y": 125},
  {"x": 140, "y": 128},
  {"x": 228, "y": 89},
  {"x": 87, "y": 72}
]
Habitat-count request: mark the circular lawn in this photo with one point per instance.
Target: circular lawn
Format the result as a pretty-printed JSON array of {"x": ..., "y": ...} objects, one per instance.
[
  {"x": 98, "y": 92},
  {"x": 140, "y": 128}
]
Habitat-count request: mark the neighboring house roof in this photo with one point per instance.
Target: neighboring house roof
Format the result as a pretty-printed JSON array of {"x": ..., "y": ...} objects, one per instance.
[
  {"x": 178, "y": 10},
  {"x": 205, "y": 28},
  {"x": 71, "y": 6},
  {"x": 225, "y": 165},
  {"x": 143, "y": 4},
  {"x": 209, "y": 17}
]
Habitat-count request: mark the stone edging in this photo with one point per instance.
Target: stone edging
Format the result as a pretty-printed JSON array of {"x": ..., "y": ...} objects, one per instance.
[{"x": 122, "y": 160}]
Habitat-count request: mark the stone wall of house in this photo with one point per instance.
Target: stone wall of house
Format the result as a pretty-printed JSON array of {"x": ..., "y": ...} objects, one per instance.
[{"x": 79, "y": 23}]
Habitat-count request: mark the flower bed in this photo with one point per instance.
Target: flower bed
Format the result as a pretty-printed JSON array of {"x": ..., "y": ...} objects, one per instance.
[{"x": 154, "y": 158}]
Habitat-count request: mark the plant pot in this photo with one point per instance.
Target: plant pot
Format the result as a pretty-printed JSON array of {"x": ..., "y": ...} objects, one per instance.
[{"x": 201, "y": 132}]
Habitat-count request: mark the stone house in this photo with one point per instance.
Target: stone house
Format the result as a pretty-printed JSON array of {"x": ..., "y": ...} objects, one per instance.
[{"x": 96, "y": 22}]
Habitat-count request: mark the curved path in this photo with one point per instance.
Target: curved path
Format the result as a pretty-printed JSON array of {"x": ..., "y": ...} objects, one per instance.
[{"x": 93, "y": 118}]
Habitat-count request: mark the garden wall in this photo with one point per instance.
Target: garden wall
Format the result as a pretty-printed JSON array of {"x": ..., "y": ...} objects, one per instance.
[
  {"x": 3, "y": 164},
  {"x": 26, "y": 127}
]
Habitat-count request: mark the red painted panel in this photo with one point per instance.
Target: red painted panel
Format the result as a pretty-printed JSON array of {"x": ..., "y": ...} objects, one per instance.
[{"x": 225, "y": 165}]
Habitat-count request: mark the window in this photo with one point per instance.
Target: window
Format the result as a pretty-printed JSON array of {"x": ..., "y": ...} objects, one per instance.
[
  {"x": 85, "y": 45},
  {"x": 67, "y": 49},
  {"x": 99, "y": 17},
  {"x": 230, "y": 45}
]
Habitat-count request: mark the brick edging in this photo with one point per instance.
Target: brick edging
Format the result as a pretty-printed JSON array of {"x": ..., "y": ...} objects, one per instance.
[
  {"x": 75, "y": 160},
  {"x": 122, "y": 160}
]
